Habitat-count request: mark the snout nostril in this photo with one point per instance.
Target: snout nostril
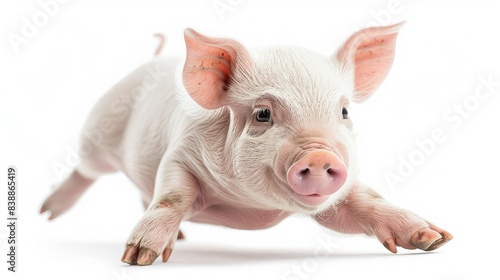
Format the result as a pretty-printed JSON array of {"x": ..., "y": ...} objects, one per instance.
[
  {"x": 304, "y": 171},
  {"x": 331, "y": 172}
]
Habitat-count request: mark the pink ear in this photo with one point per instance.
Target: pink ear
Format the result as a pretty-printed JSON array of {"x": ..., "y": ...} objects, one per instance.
[
  {"x": 371, "y": 52},
  {"x": 210, "y": 63}
]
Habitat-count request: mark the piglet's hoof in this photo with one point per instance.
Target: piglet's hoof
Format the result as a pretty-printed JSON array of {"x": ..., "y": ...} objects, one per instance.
[
  {"x": 180, "y": 235},
  {"x": 430, "y": 238},
  {"x": 138, "y": 256},
  {"x": 426, "y": 239},
  {"x": 134, "y": 255}
]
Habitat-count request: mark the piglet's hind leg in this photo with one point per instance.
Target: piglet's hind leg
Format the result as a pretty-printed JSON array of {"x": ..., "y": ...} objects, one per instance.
[{"x": 66, "y": 194}]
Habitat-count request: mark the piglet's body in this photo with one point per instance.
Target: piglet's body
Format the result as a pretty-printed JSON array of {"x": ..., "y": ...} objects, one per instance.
[{"x": 243, "y": 140}]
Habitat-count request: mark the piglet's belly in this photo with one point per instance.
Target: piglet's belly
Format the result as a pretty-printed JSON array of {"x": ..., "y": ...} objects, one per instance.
[{"x": 239, "y": 218}]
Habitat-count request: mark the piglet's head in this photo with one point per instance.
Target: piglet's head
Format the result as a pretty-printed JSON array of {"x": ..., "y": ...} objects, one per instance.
[{"x": 290, "y": 143}]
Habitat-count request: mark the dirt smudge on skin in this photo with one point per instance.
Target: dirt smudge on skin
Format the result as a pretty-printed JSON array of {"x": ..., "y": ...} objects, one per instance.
[{"x": 169, "y": 200}]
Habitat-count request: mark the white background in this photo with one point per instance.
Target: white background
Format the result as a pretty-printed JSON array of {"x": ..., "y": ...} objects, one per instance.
[{"x": 51, "y": 81}]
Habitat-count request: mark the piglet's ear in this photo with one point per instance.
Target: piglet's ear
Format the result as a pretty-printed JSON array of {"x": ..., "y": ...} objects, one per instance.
[
  {"x": 210, "y": 64},
  {"x": 371, "y": 52}
]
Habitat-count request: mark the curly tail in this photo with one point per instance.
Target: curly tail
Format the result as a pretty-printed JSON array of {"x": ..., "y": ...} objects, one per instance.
[{"x": 163, "y": 39}]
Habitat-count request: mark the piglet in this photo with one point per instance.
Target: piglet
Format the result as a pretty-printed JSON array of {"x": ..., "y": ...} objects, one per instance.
[{"x": 243, "y": 140}]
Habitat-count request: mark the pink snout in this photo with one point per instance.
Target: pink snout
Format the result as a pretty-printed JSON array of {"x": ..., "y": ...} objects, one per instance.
[{"x": 316, "y": 175}]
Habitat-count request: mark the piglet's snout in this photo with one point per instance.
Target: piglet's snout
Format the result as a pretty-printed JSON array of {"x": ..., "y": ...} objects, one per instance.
[{"x": 318, "y": 173}]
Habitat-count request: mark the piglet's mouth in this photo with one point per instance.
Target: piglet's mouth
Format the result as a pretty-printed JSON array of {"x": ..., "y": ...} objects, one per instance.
[{"x": 310, "y": 199}]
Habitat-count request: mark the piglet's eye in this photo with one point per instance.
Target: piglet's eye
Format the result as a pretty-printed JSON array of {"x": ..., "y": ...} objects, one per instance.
[
  {"x": 264, "y": 115},
  {"x": 345, "y": 114}
]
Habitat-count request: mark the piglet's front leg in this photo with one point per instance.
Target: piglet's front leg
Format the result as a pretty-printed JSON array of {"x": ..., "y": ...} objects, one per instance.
[
  {"x": 156, "y": 232},
  {"x": 365, "y": 211}
]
